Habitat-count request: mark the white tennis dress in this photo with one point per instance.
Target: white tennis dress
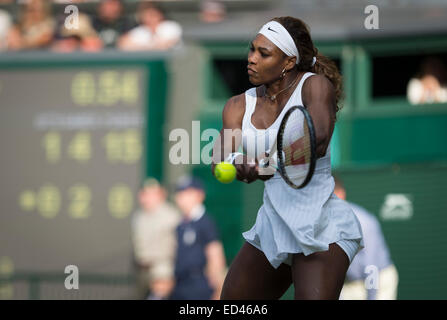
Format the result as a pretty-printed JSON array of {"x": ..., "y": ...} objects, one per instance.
[{"x": 291, "y": 220}]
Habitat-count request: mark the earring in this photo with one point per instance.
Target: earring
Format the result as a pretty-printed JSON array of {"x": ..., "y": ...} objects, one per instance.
[{"x": 283, "y": 73}]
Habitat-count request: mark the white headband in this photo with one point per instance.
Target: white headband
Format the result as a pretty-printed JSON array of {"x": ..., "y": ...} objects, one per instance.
[{"x": 276, "y": 33}]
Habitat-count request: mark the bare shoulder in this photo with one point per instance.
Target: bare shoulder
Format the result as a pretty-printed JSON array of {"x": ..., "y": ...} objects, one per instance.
[
  {"x": 317, "y": 87},
  {"x": 235, "y": 104},
  {"x": 233, "y": 111}
]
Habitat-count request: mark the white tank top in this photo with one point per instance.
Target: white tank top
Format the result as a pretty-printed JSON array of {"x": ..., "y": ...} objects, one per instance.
[{"x": 255, "y": 142}]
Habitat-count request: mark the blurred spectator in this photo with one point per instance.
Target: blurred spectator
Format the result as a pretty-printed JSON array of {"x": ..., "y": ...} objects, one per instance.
[
  {"x": 200, "y": 261},
  {"x": 375, "y": 254},
  {"x": 110, "y": 22},
  {"x": 430, "y": 85},
  {"x": 154, "y": 31},
  {"x": 35, "y": 28},
  {"x": 5, "y": 26},
  {"x": 212, "y": 11},
  {"x": 83, "y": 38},
  {"x": 154, "y": 241}
]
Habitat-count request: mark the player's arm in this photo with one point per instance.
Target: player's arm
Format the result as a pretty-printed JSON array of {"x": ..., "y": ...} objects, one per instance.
[
  {"x": 319, "y": 99},
  {"x": 230, "y": 139},
  {"x": 215, "y": 267}
]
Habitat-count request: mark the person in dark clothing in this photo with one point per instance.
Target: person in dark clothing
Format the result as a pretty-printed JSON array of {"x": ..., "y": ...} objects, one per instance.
[
  {"x": 110, "y": 22},
  {"x": 200, "y": 261}
]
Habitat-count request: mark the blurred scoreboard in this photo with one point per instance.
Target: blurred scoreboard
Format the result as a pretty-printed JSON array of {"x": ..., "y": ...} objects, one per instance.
[{"x": 71, "y": 146}]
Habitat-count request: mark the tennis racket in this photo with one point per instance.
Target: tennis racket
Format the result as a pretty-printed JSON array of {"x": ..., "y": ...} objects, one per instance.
[{"x": 293, "y": 153}]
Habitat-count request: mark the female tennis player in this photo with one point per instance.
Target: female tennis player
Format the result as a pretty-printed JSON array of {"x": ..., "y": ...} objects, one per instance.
[{"x": 306, "y": 236}]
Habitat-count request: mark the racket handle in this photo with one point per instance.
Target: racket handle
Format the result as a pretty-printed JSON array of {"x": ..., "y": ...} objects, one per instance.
[{"x": 264, "y": 163}]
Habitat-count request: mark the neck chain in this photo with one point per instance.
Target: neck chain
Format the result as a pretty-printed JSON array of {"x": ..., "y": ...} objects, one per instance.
[{"x": 273, "y": 97}]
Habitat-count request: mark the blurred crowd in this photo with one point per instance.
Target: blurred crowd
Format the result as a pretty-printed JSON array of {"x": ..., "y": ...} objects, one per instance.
[
  {"x": 35, "y": 25},
  {"x": 54, "y": 25},
  {"x": 177, "y": 250}
]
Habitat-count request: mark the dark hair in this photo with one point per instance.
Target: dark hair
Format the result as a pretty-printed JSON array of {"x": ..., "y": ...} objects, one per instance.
[
  {"x": 434, "y": 66},
  {"x": 324, "y": 66}
]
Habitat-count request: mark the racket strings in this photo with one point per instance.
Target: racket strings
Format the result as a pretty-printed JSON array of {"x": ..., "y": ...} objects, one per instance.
[
  {"x": 298, "y": 151},
  {"x": 296, "y": 147},
  {"x": 296, "y": 141}
]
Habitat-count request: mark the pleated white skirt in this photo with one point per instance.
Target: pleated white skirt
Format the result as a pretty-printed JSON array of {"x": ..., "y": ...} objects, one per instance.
[{"x": 304, "y": 221}]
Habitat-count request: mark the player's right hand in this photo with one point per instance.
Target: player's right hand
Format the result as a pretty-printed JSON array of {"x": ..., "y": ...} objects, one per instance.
[{"x": 247, "y": 171}]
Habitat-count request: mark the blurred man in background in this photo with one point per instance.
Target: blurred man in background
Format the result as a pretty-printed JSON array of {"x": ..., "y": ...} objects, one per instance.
[
  {"x": 154, "y": 241},
  {"x": 154, "y": 31},
  {"x": 375, "y": 254},
  {"x": 110, "y": 22},
  {"x": 200, "y": 262}
]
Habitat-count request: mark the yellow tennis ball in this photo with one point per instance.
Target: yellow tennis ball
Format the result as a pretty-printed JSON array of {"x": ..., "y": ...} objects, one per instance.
[{"x": 225, "y": 172}]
